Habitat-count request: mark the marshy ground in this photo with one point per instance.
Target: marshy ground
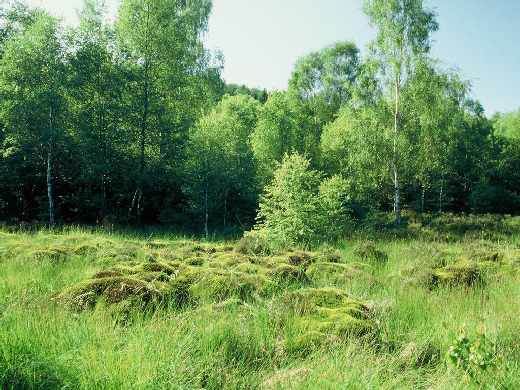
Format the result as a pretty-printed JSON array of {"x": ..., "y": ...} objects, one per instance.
[{"x": 435, "y": 304}]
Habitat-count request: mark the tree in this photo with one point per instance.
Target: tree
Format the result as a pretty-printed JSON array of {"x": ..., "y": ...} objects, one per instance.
[
  {"x": 162, "y": 38},
  {"x": 324, "y": 80},
  {"x": 220, "y": 164},
  {"x": 299, "y": 208},
  {"x": 507, "y": 125},
  {"x": 96, "y": 83},
  {"x": 289, "y": 211},
  {"x": 355, "y": 146},
  {"x": 283, "y": 128},
  {"x": 403, "y": 34},
  {"x": 33, "y": 107},
  {"x": 235, "y": 89},
  {"x": 434, "y": 110}
]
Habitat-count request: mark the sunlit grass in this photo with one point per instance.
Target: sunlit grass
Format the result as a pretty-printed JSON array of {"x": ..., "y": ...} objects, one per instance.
[{"x": 234, "y": 344}]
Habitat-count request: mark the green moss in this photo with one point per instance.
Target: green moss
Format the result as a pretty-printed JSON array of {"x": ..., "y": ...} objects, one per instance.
[
  {"x": 219, "y": 285},
  {"x": 334, "y": 272},
  {"x": 462, "y": 273},
  {"x": 324, "y": 313},
  {"x": 300, "y": 259},
  {"x": 109, "y": 273},
  {"x": 368, "y": 251},
  {"x": 285, "y": 273},
  {"x": 53, "y": 253},
  {"x": 197, "y": 261},
  {"x": 155, "y": 266},
  {"x": 330, "y": 255},
  {"x": 85, "y": 250},
  {"x": 111, "y": 289},
  {"x": 156, "y": 245}
]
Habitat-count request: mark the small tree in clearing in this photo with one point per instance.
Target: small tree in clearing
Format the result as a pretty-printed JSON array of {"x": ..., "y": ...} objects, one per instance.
[{"x": 298, "y": 208}]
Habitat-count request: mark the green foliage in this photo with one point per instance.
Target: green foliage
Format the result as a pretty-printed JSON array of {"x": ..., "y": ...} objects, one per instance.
[
  {"x": 334, "y": 199},
  {"x": 324, "y": 80},
  {"x": 257, "y": 94},
  {"x": 507, "y": 125},
  {"x": 289, "y": 211},
  {"x": 283, "y": 128},
  {"x": 220, "y": 167},
  {"x": 473, "y": 355},
  {"x": 297, "y": 208}
]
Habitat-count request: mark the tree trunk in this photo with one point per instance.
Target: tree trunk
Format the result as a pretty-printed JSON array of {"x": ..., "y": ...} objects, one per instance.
[
  {"x": 225, "y": 208},
  {"x": 395, "y": 157},
  {"x": 423, "y": 194},
  {"x": 50, "y": 189},
  {"x": 144, "y": 126},
  {"x": 440, "y": 197},
  {"x": 206, "y": 216}
]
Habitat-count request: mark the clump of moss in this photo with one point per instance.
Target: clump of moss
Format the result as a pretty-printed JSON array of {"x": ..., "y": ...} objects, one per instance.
[
  {"x": 156, "y": 266},
  {"x": 219, "y": 285},
  {"x": 52, "y": 253},
  {"x": 157, "y": 245},
  {"x": 368, "y": 251},
  {"x": 462, "y": 273},
  {"x": 253, "y": 243},
  {"x": 85, "y": 250},
  {"x": 319, "y": 314},
  {"x": 334, "y": 273},
  {"x": 112, "y": 290},
  {"x": 286, "y": 273},
  {"x": 300, "y": 259},
  {"x": 330, "y": 255},
  {"x": 196, "y": 261}
]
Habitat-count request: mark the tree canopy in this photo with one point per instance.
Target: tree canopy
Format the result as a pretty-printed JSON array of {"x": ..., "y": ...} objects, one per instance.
[{"x": 130, "y": 121}]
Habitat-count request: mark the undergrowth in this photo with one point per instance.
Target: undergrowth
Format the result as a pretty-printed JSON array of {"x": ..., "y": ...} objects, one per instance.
[{"x": 383, "y": 309}]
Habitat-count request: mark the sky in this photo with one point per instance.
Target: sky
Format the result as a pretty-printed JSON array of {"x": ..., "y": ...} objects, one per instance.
[{"x": 262, "y": 39}]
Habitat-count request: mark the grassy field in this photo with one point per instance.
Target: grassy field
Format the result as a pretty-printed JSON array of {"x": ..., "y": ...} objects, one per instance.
[{"x": 433, "y": 305}]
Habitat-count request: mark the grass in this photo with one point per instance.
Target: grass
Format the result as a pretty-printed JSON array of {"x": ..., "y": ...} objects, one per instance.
[{"x": 89, "y": 310}]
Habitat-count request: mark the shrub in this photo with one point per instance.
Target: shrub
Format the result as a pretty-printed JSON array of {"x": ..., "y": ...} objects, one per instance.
[
  {"x": 473, "y": 355},
  {"x": 298, "y": 209},
  {"x": 253, "y": 243},
  {"x": 333, "y": 198}
]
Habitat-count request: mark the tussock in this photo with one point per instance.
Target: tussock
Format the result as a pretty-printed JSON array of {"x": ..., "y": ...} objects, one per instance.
[{"x": 321, "y": 314}]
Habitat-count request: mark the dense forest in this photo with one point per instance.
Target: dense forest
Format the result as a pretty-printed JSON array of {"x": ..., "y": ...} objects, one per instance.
[{"x": 130, "y": 122}]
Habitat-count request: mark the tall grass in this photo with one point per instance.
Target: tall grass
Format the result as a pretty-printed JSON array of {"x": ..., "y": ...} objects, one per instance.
[{"x": 239, "y": 345}]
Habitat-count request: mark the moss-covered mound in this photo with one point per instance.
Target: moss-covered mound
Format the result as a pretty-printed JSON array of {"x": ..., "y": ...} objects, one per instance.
[
  {"x": 368, "y": 251},
  {"x": 191, "y": 273},
  {"x": 321, "y": 314},
  {"x": 113, "y": 290},
  {"x": 462, "y": 272},
  {"x": 207, "y": 279}
]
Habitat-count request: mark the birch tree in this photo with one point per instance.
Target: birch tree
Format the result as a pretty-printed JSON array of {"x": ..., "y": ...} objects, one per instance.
[
  {"x": 404, "y": 30},
  {"x": 32, "y": 92},
  {"x": 163, "y": 43}
]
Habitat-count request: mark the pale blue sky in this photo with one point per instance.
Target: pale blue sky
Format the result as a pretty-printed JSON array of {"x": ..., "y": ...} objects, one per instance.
[{"x": 262, "y": 39}]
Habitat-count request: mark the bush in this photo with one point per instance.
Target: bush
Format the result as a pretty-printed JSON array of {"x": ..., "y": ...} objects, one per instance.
[
  {"x": 473, "y": 355},
  {"x": 493, "y": 199},
  {"x": 253, "y": 243},
  {"x": 298, "y": 208},
  {"x": 333, "y": 196}
]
